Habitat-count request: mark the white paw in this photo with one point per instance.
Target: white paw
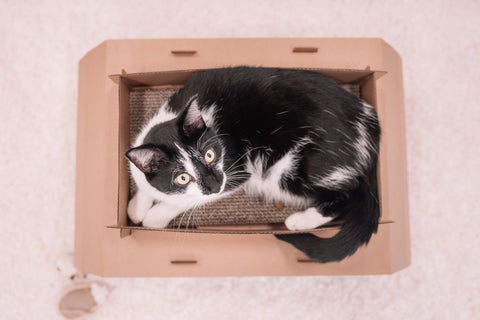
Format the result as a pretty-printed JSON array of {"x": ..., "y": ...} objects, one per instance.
[
  {"x": 308, "y": 219},
  {"x": 160, "y": 215},
  {"x": 138, "y": 207},
  {"x": 155, "y": 221}
]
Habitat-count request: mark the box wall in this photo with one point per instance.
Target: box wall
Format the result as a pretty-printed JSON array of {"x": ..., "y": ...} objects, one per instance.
[
  {"x": 90, "y": 170},
  {"x": 233, "y": 255},
  {"x": 391, "y": 93},
  {"x": 155, "y": 55}
]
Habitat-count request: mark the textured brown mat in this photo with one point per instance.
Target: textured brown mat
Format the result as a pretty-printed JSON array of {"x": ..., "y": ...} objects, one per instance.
[{"x": 238, "y": 208}]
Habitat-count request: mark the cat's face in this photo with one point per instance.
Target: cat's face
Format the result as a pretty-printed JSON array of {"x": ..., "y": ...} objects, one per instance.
[{"x": 182, "y": 159}]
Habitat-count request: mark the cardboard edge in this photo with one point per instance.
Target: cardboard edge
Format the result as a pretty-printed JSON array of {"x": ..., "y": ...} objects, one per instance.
[
  {"x": 401, "y": 257},
  {"x": 365, "y": 72},
  {"x": 234, "y": 229},
  {"x": 86, "y": 256}
]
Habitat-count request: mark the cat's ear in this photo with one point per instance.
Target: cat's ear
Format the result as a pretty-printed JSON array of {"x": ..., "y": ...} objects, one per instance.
[
  {"x": 192, "y": 120},
  {"x": 146, "y": 158}
]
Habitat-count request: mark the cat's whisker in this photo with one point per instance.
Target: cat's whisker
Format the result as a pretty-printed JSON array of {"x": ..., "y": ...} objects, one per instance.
[
  {"x": 238, "y": 179},
  {"x": 178, "y": 226},
  {"x": 194, "y": 212},
  {"x": 276, "y": 130},
  {"x": 180, "y": 223},
  {"x": 189, "y": 216},
  {"x": 237, "y": 172},
  {"x": 199, "y": 207},
  {"x": 198, "y": 141},
  {"x": 239, "y": 175},
  {"x": 203, "y": 212},
  {"x": 234, "y": 168},
  {"x": 185, "y": 231},
  {"x": 245, "y": 154},
  {"x": 197, "y": 213},
  {"x": 215, "y": 136}
]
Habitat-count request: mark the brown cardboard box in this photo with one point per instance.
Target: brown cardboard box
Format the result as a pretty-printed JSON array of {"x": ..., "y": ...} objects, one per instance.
[{"x": 105, "y": 245}]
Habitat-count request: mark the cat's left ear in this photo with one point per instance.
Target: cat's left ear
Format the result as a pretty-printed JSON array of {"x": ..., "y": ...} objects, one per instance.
[
  {"x": 192, "y": 119},
  {"x": 147, "y": 158}
]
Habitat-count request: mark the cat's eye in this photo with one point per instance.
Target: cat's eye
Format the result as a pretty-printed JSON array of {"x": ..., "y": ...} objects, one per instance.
[
  {"x": 209, "y": 156},
  {"x": 183, "y": 179}
]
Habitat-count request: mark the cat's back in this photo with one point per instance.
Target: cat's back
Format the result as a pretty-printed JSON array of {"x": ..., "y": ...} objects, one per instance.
[
  {"x": 248, "y": 88},
  {"x": 257, "y": 80},
  {"x": 273, "y": 106}
]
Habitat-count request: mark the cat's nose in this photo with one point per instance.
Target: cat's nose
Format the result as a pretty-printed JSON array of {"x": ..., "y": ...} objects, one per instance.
[{"x": 211, "y": 184}]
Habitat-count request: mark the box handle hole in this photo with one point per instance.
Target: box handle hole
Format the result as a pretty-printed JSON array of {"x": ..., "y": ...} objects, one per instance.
[
  {"x": 183, "y": 261},
  {"x": 305, "y": 49},
  {"x": 183, "y": 52}
]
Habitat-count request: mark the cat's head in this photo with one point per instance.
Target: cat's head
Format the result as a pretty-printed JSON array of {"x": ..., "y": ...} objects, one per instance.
[{"x": 181, "y": 159}]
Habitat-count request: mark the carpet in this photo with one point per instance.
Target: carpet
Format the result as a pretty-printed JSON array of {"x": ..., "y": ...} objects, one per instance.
[{"x": 41, "y": 44}]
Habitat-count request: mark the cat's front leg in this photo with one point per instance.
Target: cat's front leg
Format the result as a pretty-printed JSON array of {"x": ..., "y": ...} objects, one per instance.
[
  {"x": 309, "y": 219},
  {"x": 160, "y": 215},
  {"x": 138, "y": 206}
]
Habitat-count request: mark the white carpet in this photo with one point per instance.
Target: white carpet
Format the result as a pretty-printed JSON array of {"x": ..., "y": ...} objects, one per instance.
[{"x": 41, "y": 43}]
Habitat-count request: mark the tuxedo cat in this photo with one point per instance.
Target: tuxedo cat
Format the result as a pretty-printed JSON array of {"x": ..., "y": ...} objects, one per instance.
[{"x": 288, "y": 135}]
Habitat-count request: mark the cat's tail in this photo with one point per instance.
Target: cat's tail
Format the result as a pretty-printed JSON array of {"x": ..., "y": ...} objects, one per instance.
[{"x": 361, "y": 214}]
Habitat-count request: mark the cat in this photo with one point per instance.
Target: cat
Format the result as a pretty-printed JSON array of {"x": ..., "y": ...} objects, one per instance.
[{"x": 284, "y": 134}]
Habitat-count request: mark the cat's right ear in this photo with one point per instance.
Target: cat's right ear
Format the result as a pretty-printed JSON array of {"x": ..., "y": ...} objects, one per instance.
[
  {"x": 146, "y": 158},
  {"x": 192, "y": 122}
]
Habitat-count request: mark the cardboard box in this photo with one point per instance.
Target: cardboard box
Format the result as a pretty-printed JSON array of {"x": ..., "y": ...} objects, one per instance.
[{"x": 104, "y": 242}]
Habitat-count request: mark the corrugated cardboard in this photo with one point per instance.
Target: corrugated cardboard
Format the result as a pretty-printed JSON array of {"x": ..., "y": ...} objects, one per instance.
[{"x": 104, "y": 243}]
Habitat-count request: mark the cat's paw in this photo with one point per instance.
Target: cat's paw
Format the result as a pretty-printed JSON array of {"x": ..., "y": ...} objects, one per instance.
[
  {"x": 160, "y": 215},
  {"x": 308, "y": 219},
  {"x": 155, "y": 221},
  {"x": 138, "y": 207}
]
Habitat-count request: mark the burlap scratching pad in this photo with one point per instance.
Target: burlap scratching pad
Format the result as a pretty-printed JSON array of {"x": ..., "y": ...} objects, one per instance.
[{"x": 238, "y": 208}]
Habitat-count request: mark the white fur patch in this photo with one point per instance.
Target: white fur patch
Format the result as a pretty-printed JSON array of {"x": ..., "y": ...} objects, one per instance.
[
  {"x": 138, "y": 206},
  {"x": 369, "y": 111},
  {"x": 363, "y": 149},
  {"x": 308, "y": 219},
  {"x": 208, "y": 116},
  {"x": 142, "y": 156},
  {"x": 337, "y": 177},
  {"x": 193, "y": 114},
  {"x": 162, "y": 115},
  {"x": 362, "y": 145},
  {"x": 187, "y": 162},
  {"x": 268, "y": 184},
  {"x": 160, "y": 215}
]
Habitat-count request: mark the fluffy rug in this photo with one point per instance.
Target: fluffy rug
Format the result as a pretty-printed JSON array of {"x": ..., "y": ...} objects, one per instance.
[{"x": 41, "y": 43}]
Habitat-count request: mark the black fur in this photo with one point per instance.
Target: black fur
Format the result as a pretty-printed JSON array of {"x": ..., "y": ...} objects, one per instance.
[{"x": 360, "y": 212}]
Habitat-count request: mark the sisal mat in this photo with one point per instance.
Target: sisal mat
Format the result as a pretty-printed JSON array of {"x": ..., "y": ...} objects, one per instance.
[{"x": 235, "y": 209}]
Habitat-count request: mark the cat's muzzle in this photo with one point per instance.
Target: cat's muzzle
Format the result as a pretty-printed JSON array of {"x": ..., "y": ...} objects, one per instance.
[{"x": 212, "y": 184}]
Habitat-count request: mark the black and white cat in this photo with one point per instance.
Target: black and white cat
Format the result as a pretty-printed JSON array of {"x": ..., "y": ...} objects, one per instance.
[{"x": 288, "y": 135}]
